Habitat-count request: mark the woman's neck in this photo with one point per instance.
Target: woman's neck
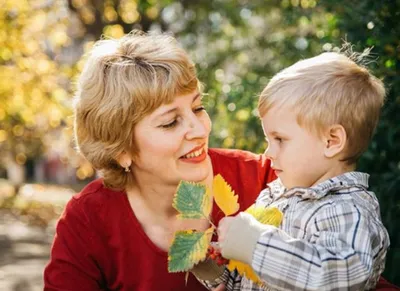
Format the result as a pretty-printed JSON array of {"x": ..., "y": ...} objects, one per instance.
[
  {"x": 156, "y": 199},
  {"x": 151, "y": 202},
  {"x": 157, "y": 196}
]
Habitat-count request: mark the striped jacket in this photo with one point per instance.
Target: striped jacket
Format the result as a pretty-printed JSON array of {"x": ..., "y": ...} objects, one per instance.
[{"x": 331, "y": 238}]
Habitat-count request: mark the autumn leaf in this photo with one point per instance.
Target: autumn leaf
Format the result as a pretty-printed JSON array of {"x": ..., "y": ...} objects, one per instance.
[
  {"x": 187, "y": 249},
  {"x": 244, "y": 270},
  {"x": 270, "y": 215},
  {"x": 192, "y": 200},
  {"x": 224, "y": 196}
]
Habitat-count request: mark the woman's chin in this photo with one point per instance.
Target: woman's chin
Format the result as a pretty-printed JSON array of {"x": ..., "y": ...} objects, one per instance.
[
  {"x": 196, "y": 172},
  {"x": 196, "y": 177}
]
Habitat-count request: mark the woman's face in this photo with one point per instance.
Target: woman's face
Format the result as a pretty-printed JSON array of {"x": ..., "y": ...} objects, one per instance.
[{"x": 173, "y": 142}]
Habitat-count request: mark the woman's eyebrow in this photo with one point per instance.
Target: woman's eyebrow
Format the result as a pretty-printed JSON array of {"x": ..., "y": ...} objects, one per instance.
[
  {"x": 175, "y": 108},
  {"x": 167, "y": 112},
  {"x": 160, "y": 117},
  {"x": 196, "y": 96}
]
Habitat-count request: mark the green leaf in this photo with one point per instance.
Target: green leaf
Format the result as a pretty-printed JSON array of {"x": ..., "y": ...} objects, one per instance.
[
  {"x": 192, "y": 200},
  {"x": 187, "y": 249}
]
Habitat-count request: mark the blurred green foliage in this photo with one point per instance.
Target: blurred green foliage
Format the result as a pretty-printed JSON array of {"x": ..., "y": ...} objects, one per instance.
[
  {"x": 375, "y": 23},
  {"x": 237, "y": 45}
]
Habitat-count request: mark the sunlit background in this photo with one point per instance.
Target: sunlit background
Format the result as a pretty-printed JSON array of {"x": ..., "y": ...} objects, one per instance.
[{"x": 237, "y": 46}]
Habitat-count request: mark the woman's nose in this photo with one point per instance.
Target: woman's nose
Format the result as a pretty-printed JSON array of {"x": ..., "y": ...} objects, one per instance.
[{"x": 197, "y": 128}]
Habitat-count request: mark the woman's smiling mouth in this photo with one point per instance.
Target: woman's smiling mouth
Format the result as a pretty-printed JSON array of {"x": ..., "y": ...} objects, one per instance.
[{"x": 197, "y": 155}]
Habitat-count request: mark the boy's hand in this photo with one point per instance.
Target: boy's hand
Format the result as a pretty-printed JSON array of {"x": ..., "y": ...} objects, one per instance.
[
  {"x": 238, "y": 236},
  {"x": 223, "y": 228}
]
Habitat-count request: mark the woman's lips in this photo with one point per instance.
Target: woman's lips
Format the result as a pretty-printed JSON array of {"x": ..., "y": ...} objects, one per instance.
[
  {"x": 198, "y": 155},
  {"x": 196, "y": 160}
]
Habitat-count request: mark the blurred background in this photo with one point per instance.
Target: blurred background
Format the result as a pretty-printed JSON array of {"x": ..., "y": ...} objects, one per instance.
[{"x": 237, "y": 46}]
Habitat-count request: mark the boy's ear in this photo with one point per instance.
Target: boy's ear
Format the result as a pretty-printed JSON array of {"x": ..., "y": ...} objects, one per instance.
[
  {"x": 124, "y": 159},
  {"x": 335, "y": 140}
]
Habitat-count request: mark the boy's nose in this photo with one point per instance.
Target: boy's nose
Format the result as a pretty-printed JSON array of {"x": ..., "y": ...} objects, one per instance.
[{"x": 269, "y": 153}]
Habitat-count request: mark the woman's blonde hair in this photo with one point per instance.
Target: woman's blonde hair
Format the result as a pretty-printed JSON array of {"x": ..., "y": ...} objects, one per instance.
[
  {"x": 329, "y": 89},
  {"x": 122, "y": 81}
]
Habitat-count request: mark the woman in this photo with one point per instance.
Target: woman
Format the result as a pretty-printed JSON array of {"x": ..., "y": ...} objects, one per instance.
[{"x": 140, "y": 121}]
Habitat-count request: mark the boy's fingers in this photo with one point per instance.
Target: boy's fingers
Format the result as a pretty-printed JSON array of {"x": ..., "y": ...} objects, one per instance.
[
  {"x": 221, "y": 287},
  {"x": 215, "y": 246},
  {"x": 223, "y": 227}
]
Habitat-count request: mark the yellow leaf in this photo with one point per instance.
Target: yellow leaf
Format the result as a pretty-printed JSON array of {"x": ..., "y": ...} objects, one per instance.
[
  {"x": 224, "y": 196},
  {"x": 244, "y": 270},
  {"x": 270, "y": 215}
]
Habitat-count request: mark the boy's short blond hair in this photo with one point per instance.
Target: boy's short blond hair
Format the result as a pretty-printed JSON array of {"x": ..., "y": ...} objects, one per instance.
[
  {"x": 329, "y": 89},
  {"x": 122, "y": 81}
]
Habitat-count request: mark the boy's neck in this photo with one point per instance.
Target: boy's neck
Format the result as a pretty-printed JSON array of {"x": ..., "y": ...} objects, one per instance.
[{"x": 339, "y": 169}]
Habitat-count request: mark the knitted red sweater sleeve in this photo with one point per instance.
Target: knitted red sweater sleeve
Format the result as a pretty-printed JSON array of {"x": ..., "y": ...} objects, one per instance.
[{"x": 72, "y": 266}]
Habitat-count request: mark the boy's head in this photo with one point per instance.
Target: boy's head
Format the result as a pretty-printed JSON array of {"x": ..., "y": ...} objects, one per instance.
[{"x": 330, "y": 98}]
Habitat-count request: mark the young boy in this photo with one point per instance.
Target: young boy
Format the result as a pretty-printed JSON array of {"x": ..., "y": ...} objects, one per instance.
[{"x": 318, "y": 117}]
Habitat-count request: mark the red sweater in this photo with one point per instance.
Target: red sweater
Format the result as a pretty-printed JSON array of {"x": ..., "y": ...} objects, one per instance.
[{"x": 100, "y": 245}]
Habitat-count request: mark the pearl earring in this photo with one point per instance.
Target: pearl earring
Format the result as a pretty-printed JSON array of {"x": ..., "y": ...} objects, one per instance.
[{"x": 127, "y": 169}]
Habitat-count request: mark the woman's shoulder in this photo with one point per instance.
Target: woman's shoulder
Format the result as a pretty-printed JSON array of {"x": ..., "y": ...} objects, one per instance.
[
  {"x": 239, "y": 162},
  {"x": 247, "y": 174},
  {"x": 96, "y": 188},
  {"x": 241, "y": 167},
  {"x": 94, "y": 197},
  {"x": 234, "y": 154}
]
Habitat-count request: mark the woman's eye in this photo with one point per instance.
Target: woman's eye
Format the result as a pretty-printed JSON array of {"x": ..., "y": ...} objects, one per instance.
[
  {"x": 169, "y": 125},
  {"x": 278, "y": 139},
  {"x": 199, "y": 109}
]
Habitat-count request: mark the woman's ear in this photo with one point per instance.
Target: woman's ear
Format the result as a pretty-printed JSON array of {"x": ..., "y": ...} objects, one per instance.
[
  {"x": 124, "y": 159},
  {"x": 335, "y": 140}
]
